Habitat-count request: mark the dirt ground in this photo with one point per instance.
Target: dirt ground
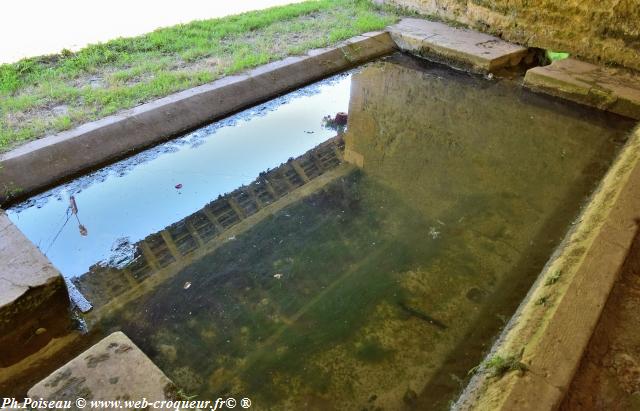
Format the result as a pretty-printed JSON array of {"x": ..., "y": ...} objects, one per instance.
[{"x": 609, "y": 376}]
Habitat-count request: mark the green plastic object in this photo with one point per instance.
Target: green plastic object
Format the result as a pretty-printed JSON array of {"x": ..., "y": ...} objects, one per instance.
[{"x": 556, "y": 55}]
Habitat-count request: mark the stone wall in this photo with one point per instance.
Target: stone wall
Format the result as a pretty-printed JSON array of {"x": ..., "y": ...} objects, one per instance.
[{"x": 604, "y": 31}]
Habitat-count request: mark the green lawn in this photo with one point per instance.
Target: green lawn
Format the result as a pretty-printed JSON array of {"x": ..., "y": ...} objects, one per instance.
[{"x": 46, "y": 94}]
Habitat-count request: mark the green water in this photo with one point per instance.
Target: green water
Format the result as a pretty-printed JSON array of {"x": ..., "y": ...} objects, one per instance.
[{"x": 379, "y": 284}]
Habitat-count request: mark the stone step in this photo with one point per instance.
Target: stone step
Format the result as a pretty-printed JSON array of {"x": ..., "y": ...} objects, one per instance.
[
  {"x": 113, "y": 369},
  {"x": 456, "y": 46},
  {"x": 606, "y": 88}
]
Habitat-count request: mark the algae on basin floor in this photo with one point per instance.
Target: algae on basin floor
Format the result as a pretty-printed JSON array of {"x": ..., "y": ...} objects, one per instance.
[
  {"x": 387, "y": 285},
  {"x": 374, "y": 270}
]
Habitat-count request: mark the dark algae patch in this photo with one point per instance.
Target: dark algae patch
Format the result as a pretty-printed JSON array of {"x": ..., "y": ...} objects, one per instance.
[
  {"x": 371, "y": 269},
  {"x": 420, "y": 315}
]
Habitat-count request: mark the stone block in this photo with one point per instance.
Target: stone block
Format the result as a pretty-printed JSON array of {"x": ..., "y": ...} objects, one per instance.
[
  {"x": 606, "y": 88},
  {"x": 113, "y": 369},
  {"x": 456, "y": 46},
  {"x": 34, "y": 303}
]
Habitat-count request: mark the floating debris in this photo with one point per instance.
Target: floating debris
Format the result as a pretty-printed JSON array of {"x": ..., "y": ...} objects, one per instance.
[
  {"x": 434, "y": 233},
  {"x": 277, "y": 276},
  {"x": 178, "y": 186},
  {"x": 186, "y": 285}
]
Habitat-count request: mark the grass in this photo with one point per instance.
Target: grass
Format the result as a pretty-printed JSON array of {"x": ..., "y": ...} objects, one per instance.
[
  {"x": 497, "y": 366},
  {"x": 544, "y": 300},
  {"x": 553, "y": 278},
  {"x": 49, "y": 94}
]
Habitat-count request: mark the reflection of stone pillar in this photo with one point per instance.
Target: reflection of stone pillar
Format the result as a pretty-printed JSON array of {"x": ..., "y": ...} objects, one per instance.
[
  {"x": 213, "y": 219},
  {"x": 353, "y": 157},
  {"x": 194, "y": 233},
  {"x": 236, "y": 207},
  {"x": 173, "y": 249},
  {"x": 300, "y": 171},
  {"x": 129, "y": 277},
  {"x": 149, "y": 255}
]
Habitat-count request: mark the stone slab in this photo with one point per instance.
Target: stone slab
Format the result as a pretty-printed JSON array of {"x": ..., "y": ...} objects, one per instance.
[
  {"x": 606, "y": 88},
  {"x": 23, "y": 265},
  {"x": 479, "y": 51},
  {"x": 113, "y": 369},
  {"x": 50, "y": 160},
  {"x": 34, "y": 304}
]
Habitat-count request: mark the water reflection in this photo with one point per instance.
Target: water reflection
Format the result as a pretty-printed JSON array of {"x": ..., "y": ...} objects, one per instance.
[
  {"x": 138, "y": 196},
  {"x": 170, "y": 250},
  {"x": 372, "y": 271}
]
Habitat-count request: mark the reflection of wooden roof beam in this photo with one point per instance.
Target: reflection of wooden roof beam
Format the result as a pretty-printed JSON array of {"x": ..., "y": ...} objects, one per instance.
[{"x": 179, "y": 245}]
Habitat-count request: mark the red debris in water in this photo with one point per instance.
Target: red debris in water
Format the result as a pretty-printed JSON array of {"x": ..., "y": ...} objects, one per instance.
[
  {"x": 341, "y": 118},
  {"x": 178, "y": 186}
]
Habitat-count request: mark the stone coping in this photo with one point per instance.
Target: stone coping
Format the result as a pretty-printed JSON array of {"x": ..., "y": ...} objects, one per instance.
[
  {"x": 455, "y": 46},
  {"x": 606, "y": 88}
]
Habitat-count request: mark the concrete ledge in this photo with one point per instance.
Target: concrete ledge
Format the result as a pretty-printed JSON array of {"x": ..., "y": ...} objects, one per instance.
[
  {"x": 34, "y": 305},
  {"x": 608, "y": 89},
  {"x": 454, "y": 46},
  {"x": 45, "y": 162},
  {"x": 552, "y": 327},
  {"x": 113, "y": 369}
]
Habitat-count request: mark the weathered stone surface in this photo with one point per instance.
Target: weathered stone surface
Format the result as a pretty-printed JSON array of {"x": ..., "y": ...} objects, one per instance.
[
  {"x": 113, "y": 369},
  {"x": 33, "y": 298},
  {"x": 479, "y": 51},
  {"x": 596, "y": 30},
  {"x": 605, "y": 88}
]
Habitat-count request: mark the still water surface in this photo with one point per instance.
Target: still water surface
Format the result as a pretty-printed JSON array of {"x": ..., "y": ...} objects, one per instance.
[{"x": 364, "y": 269}]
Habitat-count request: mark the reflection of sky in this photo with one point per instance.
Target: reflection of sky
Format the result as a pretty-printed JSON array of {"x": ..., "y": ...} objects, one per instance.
[{"x": 137, "y": 196}]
